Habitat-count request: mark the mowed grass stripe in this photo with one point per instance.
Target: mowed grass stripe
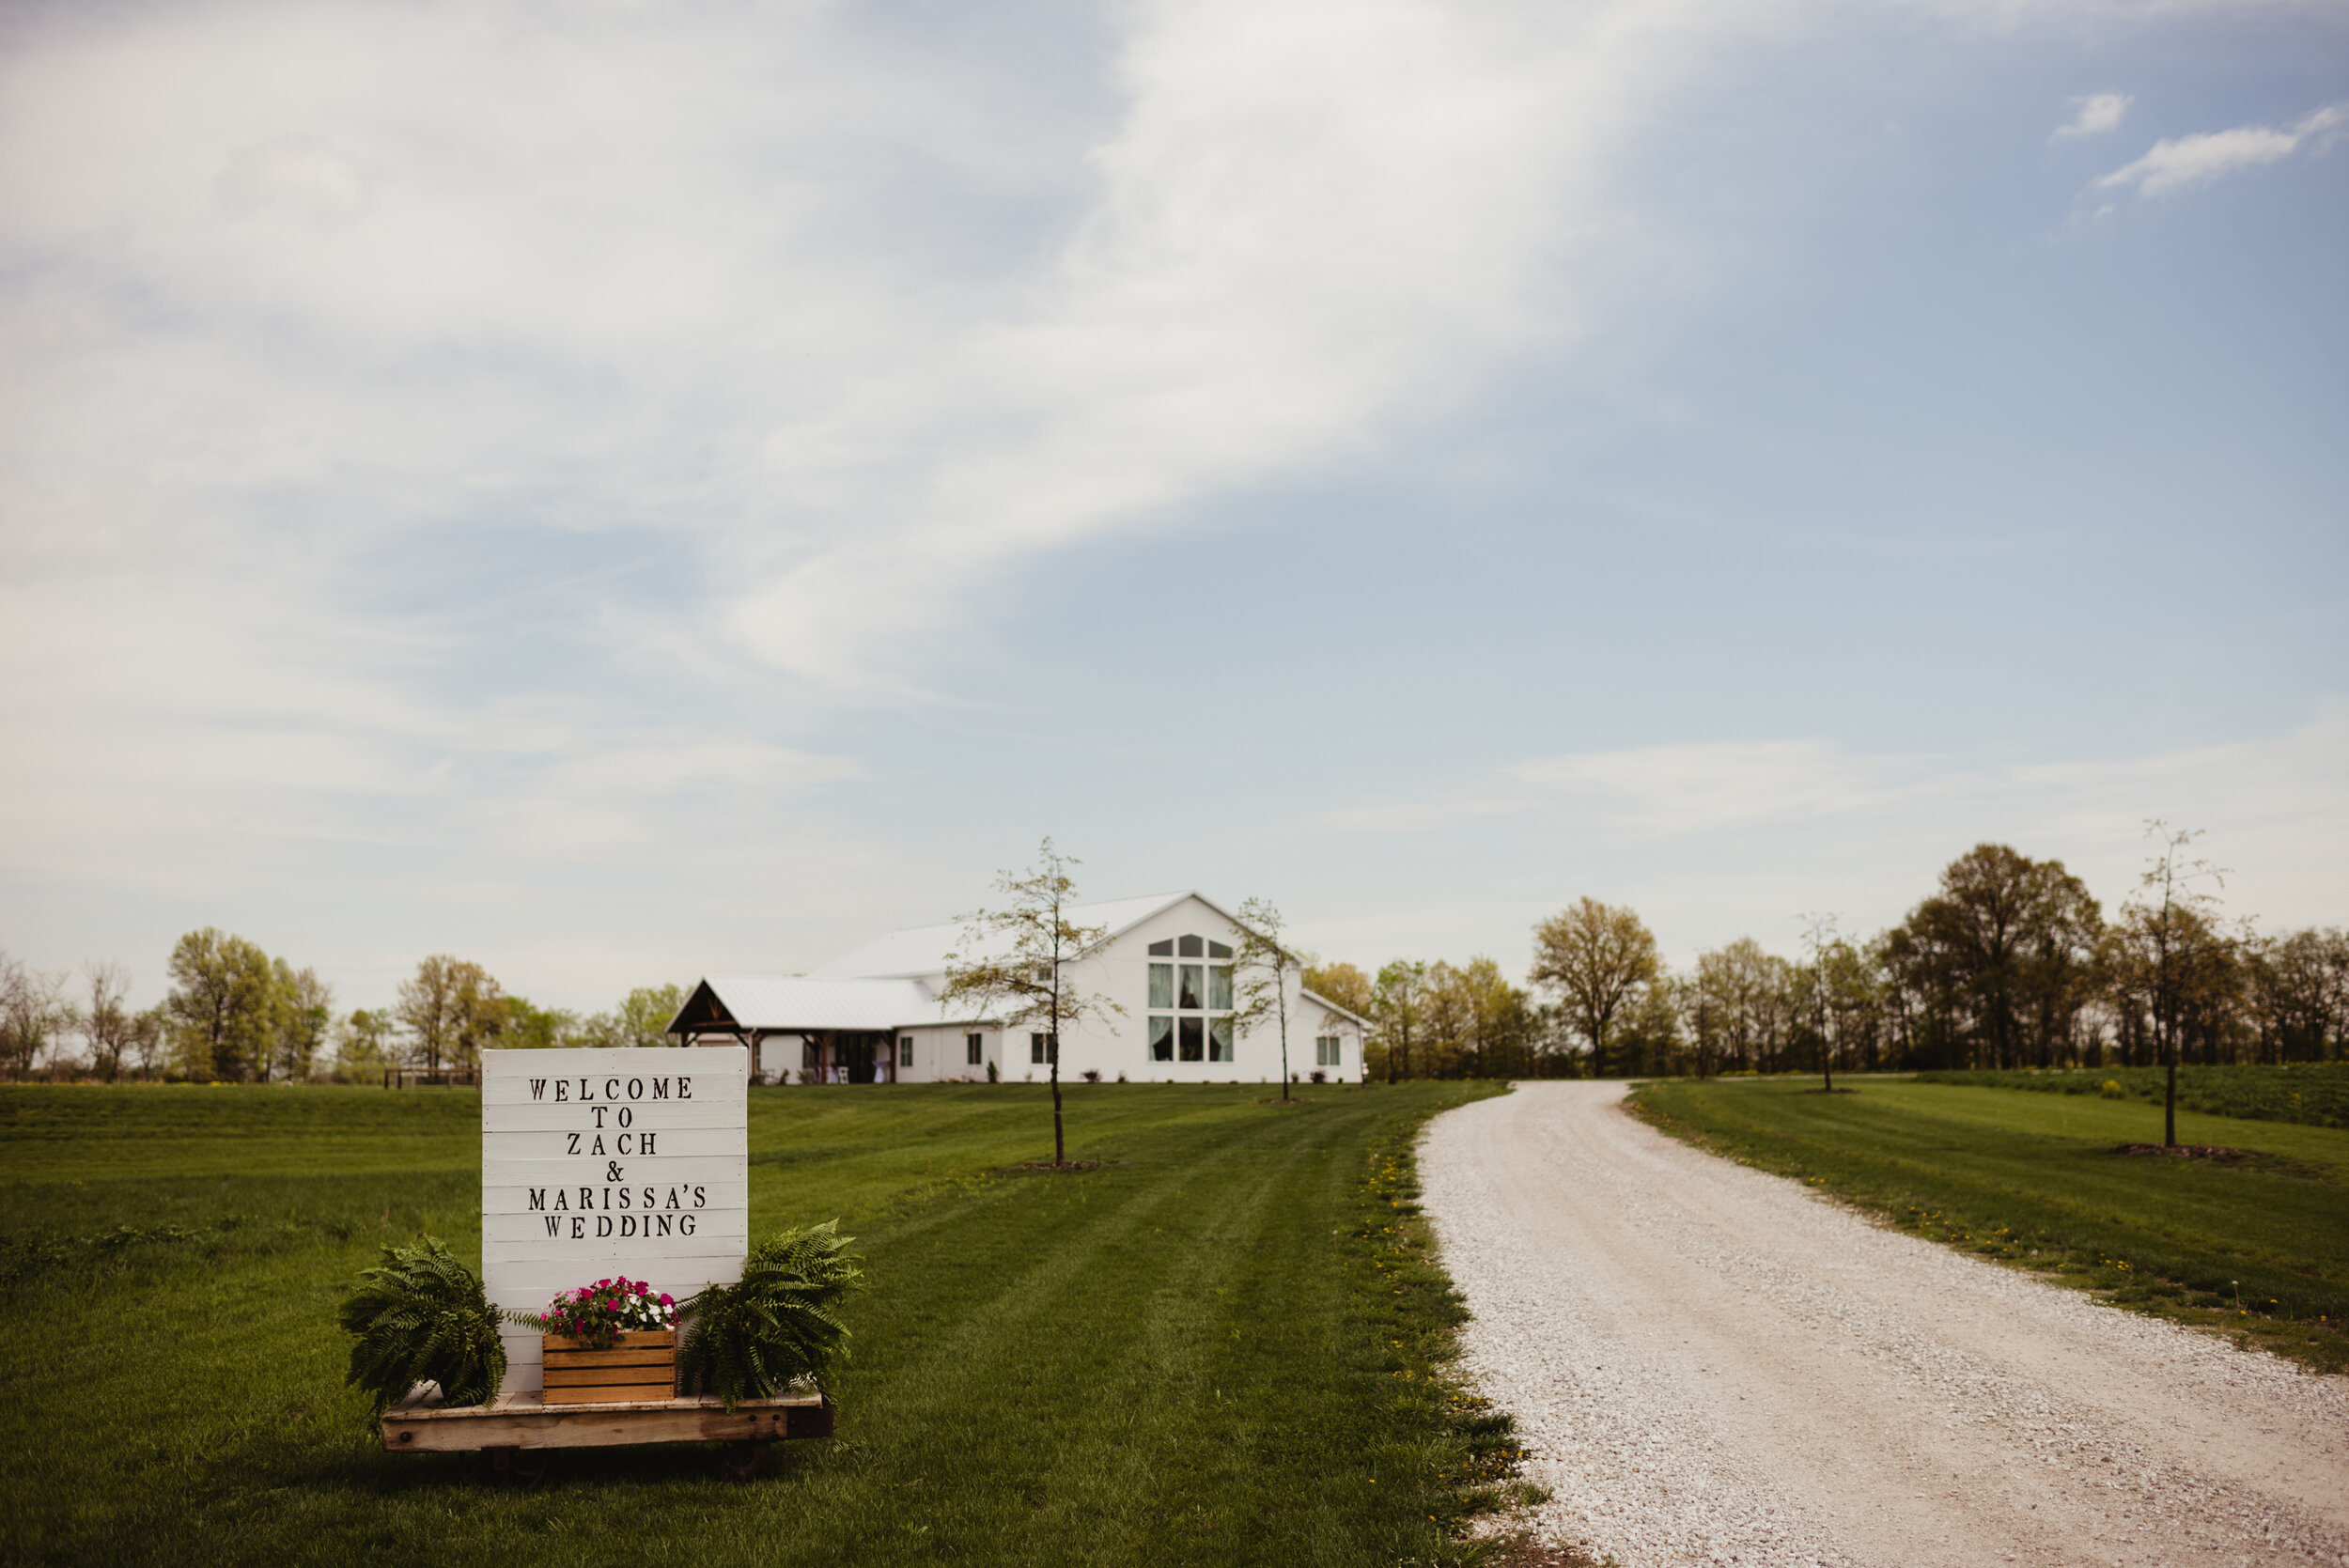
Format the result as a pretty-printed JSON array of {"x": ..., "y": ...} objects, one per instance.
[
  {"x": 2033, "y": 1179},
  {"x": 1183, "y": 1357}
]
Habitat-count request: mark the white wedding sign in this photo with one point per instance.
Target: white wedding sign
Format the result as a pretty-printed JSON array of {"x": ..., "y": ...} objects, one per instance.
[{"x": 596, "y": 1164}]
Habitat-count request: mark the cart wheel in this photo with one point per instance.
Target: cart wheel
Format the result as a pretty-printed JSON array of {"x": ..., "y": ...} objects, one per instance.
[
  {"x": 500, "y": 1467},
  {"x": 742, "y": 1461}
]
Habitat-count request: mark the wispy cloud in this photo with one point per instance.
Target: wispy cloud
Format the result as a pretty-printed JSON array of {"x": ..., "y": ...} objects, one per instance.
[
  {"x": 1743, "y": 832},
  {"x": 2182, "y": 163},
  {"x": 2093, "y": 115}
]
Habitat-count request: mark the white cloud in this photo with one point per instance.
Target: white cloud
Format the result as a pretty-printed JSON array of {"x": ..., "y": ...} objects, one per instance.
[
  {"x": 1722, "y": 839},
  {"x": 2182, "y": 163},
  {"x": 2094, "y": 114}
]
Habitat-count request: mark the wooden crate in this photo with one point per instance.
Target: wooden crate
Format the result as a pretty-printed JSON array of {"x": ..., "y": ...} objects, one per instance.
[{"x": 640, "y": 1367}]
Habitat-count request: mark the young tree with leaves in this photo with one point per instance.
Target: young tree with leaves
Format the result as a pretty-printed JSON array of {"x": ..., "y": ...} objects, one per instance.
[
  {"x": 1264, "y": 968},
  {"x": 2174, "y": 927},
  {"x": 1597, "y": 957},
  {"x": 1015, "y": 960},
  {"x": 223, "y": 1006},
  {"x": 452, "y": 1008},
  {"x": 364, "y": 1046},
  {"x": 1398, "y": 1000}
]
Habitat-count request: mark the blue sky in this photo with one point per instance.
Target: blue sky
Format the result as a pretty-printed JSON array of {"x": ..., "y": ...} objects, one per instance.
[{"x": 616, "y": 491}]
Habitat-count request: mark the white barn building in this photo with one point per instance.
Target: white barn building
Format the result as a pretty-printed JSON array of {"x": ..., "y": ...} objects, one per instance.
[{"x": 874, "y": 1014}]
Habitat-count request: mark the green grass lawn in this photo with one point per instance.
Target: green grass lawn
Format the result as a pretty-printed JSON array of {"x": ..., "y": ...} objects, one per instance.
[
  {"x": 2033, "y": 1179},
  {"x": 2316, "y": 1093},
  {"x": 1226, "y": 1344}
]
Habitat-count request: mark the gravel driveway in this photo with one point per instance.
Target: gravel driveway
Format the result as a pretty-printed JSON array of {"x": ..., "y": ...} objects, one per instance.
[{"x": 1711, "y": 1364}]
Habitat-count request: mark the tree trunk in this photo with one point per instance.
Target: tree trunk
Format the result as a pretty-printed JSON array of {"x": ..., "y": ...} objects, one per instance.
[
  {"x": 2169, "y": 1097},
  {"x": 1278, "y": 978},
  {"x": 1060, "y": 1147}
]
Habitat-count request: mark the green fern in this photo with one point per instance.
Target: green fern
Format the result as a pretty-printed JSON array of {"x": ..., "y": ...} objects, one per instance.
[
  {"x": 422, "y": 1316},
  {"x": 778, "y": 1324}
]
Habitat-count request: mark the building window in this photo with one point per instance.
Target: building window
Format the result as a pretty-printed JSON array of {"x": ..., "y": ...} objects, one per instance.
[
  {"x": 1326, "y": 1052},
  {"x": 1041, "y": 1051},
  {"x": 807, "y": 1053},
  {"x": 970, "y": 1043},
  {"x": 1198, "y": 996},
  {"x": 905, "y": 1050}
]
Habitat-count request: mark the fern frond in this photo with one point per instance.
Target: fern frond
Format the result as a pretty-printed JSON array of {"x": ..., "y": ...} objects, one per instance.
[
  {"x": 421, "y": 1317},
  {"x": 777, "y": 1323}
]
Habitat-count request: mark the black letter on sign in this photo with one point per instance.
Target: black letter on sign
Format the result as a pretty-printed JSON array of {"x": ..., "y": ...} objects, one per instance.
[
  {"x": 636, "y": 1088},
  {"x": 685, "y": 1224},
  {"x": 562, "y": 1090},
  {"x": 628, "y": 1117},
  {"x": 684, "y": 1088},
  {"x": 538, "y": 1197},
  {"x": 579, "y": 1228},
  {"x": 555, "y": 1224},
  {"x": 660, "y": 1089},
  {"x": 644, "y": 1142},
  {"x": 612, "y": 1170},
  {"x": 612, "y": 1089},
  {"x": 598, "y": 1118},
  {"x": 603, "y": 1224},
  {"x": 700, "y": 1197},
  {"x": 574, "y": 1138},
  {"x": 537, "y": 1089}
]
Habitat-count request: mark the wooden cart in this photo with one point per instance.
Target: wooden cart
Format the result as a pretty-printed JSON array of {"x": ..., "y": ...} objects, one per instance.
[{"x": 514, "y": 1438}]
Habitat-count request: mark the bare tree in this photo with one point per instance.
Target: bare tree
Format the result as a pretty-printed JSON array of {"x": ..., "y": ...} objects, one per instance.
[
  {"x": 1596, "y": 957},
  {"x": 1016, "y": 959},
  {"x": 31, "y": 1012},
  {"x": 1265, "y": 968},
  {"x": 1819, "y": 937},
  {"x": 107, "y": 1024}
]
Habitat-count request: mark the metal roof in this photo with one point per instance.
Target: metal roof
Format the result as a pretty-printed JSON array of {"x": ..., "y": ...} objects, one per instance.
[
  {"x": 791, "y": 1003},
  {"x": 922, "y": 950}
]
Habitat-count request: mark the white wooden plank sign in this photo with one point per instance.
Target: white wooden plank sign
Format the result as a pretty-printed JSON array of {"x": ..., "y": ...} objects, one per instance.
[{"x": 596, "y": 1164}]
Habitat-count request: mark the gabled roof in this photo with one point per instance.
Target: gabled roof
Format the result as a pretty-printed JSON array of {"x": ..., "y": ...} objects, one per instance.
[
  {"x": 1354, "y": 1018},
  {"x": 922, "y": 950},
  {"x": 793, "y": 1002}
]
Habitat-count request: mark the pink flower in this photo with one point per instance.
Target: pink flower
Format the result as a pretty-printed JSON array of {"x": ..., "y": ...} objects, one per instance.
[{"x": 665, "y": 1299}]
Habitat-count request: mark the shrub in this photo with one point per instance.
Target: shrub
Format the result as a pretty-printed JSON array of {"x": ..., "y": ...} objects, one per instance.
[
  {"x": 422, "y": 1316},
  {"x": 777, "y": 1323}
]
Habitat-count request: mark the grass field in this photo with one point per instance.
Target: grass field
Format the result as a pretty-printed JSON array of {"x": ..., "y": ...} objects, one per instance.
[
  {"x": 2259, "y": 1248},
  {"x": 2314, "y": 1093},
  {"x": 1224, "y": 1346}
]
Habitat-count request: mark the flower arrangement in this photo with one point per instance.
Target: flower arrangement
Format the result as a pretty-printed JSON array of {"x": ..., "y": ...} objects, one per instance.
[{"x": 596, "y": 1315}]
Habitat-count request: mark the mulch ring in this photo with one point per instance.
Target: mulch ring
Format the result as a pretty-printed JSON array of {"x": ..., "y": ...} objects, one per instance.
[
  {"x": 1065, "y": 1165},
  {"x": 1293, "y": 1099},
  {"x": 2186, "y": 1151}
]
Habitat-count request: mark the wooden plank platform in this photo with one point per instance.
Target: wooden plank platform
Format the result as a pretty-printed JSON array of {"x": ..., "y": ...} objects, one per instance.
[{"x": 527, "y": 1423}]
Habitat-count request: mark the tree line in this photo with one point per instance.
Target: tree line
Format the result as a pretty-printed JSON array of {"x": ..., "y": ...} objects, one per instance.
[
  {"x": 2010, "y": 962},
  {"x": 235, "y": 1014}
]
